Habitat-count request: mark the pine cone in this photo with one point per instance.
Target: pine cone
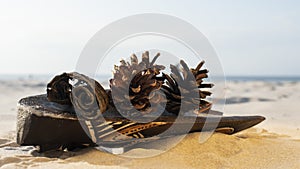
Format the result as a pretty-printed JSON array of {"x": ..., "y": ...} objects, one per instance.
[
  {"x": 59, "y": 89},
  {"x": 185, "y": 88},
  {"x": 135, "y": 86}
]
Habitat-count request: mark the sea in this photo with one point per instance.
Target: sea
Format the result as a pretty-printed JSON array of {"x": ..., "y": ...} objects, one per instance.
[
  {"x": 264, "y": 78},
  {"x": 102, "y": 78}
]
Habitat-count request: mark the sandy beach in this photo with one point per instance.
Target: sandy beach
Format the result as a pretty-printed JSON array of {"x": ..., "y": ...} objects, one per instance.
[{"x": 275, "y": 143}]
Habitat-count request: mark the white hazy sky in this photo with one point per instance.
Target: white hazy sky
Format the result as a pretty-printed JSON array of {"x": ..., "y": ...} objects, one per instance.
[{"x": 251, "y": 37}]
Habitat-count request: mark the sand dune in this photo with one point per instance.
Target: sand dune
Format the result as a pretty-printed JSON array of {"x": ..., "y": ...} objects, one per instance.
[
  {"x": 249, "y": 149},
  {"x": 273, "y": 144}
]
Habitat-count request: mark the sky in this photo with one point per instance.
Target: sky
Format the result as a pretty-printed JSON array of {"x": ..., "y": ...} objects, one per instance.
[{"x": 252, "y": 38}]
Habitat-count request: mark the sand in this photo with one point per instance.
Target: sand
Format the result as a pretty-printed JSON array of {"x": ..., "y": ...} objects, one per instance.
[{"x": 275, "y": 143}]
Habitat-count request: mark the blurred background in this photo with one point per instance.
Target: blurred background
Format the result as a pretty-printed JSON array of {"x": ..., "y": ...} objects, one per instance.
[
  {"x": 252, "y": 38},
  {"x": 258, "y": 45}
]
